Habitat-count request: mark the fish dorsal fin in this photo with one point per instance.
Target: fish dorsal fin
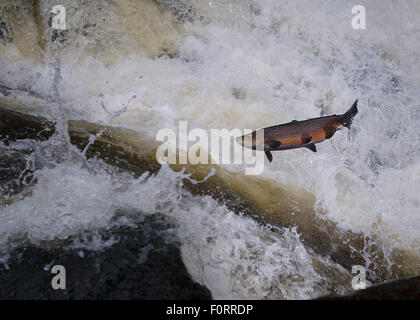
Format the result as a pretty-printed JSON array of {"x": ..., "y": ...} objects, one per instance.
[
  {"x": 294, "y": 121},
  {"x": 269, "y": 156},
  {"x": 311, "y": 147}
]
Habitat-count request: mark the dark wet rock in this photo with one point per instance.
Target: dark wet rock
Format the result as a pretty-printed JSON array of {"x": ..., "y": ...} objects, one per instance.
[
  {"x": 14, "y": 174},
  {"x": 145, "y": 263},
  {"x": 18, "y": 126},
  {"x": 5, "y": 91},
  {"x": 12, "y": 163},
  {"x": 10, "y": 92},
  {"x": 404, "y": 289},
  {"x": 5, "y": 36},
  {"x": 141, "y": 27},
  {"x": 22, "y": 30},
  {"x": 118, "y": 147}
]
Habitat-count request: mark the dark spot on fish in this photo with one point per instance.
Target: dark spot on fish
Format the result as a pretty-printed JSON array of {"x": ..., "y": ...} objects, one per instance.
[
  {"x": 275, "y": 144},
  {"x": 306, "y": 138}
]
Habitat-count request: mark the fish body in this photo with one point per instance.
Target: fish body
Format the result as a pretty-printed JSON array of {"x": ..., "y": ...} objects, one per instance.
[{"x": 297, "y": 134}]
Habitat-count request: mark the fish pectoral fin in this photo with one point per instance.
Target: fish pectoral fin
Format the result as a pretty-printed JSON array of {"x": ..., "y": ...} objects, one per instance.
[
  {"x": 269, "y": 156},
  {"x": 274, "y": 144},
  {"x": 311, "y": 147}
]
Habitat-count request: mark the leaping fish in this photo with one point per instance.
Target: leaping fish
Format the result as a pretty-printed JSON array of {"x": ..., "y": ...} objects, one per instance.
[{"x": 297, "y": 134}]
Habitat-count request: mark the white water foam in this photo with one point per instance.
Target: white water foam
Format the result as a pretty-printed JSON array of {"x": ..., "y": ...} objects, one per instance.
[{"x": 232, "y": 255}]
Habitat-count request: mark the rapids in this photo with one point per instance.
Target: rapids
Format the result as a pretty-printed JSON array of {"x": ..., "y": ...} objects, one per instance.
[{"x": 141, "y": 65}]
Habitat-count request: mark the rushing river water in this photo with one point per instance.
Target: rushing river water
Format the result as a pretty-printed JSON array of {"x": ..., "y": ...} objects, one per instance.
[{"x": 145, "y": 65}]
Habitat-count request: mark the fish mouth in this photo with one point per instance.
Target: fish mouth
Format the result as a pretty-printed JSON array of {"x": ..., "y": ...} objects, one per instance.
[
  {"x": 240, "y": 140},
  {"x": 246, "y": 141}
]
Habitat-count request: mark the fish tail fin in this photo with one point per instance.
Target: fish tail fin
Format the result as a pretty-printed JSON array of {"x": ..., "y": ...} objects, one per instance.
[{"x": 347, "y": 117}]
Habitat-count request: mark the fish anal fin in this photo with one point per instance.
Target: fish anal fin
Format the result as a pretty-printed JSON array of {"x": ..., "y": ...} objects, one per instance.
[
  {"x": 269, "y": 156},
  {"x": 311, "y": 147}
]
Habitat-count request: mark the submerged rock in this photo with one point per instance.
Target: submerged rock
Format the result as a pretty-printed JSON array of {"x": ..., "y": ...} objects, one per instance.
[
  {"x": 18, "y": 126},
  {"x": 144, "y": 263},
  {"x": 100, "y": 29},
  {"x": 13, "y": 173}
]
